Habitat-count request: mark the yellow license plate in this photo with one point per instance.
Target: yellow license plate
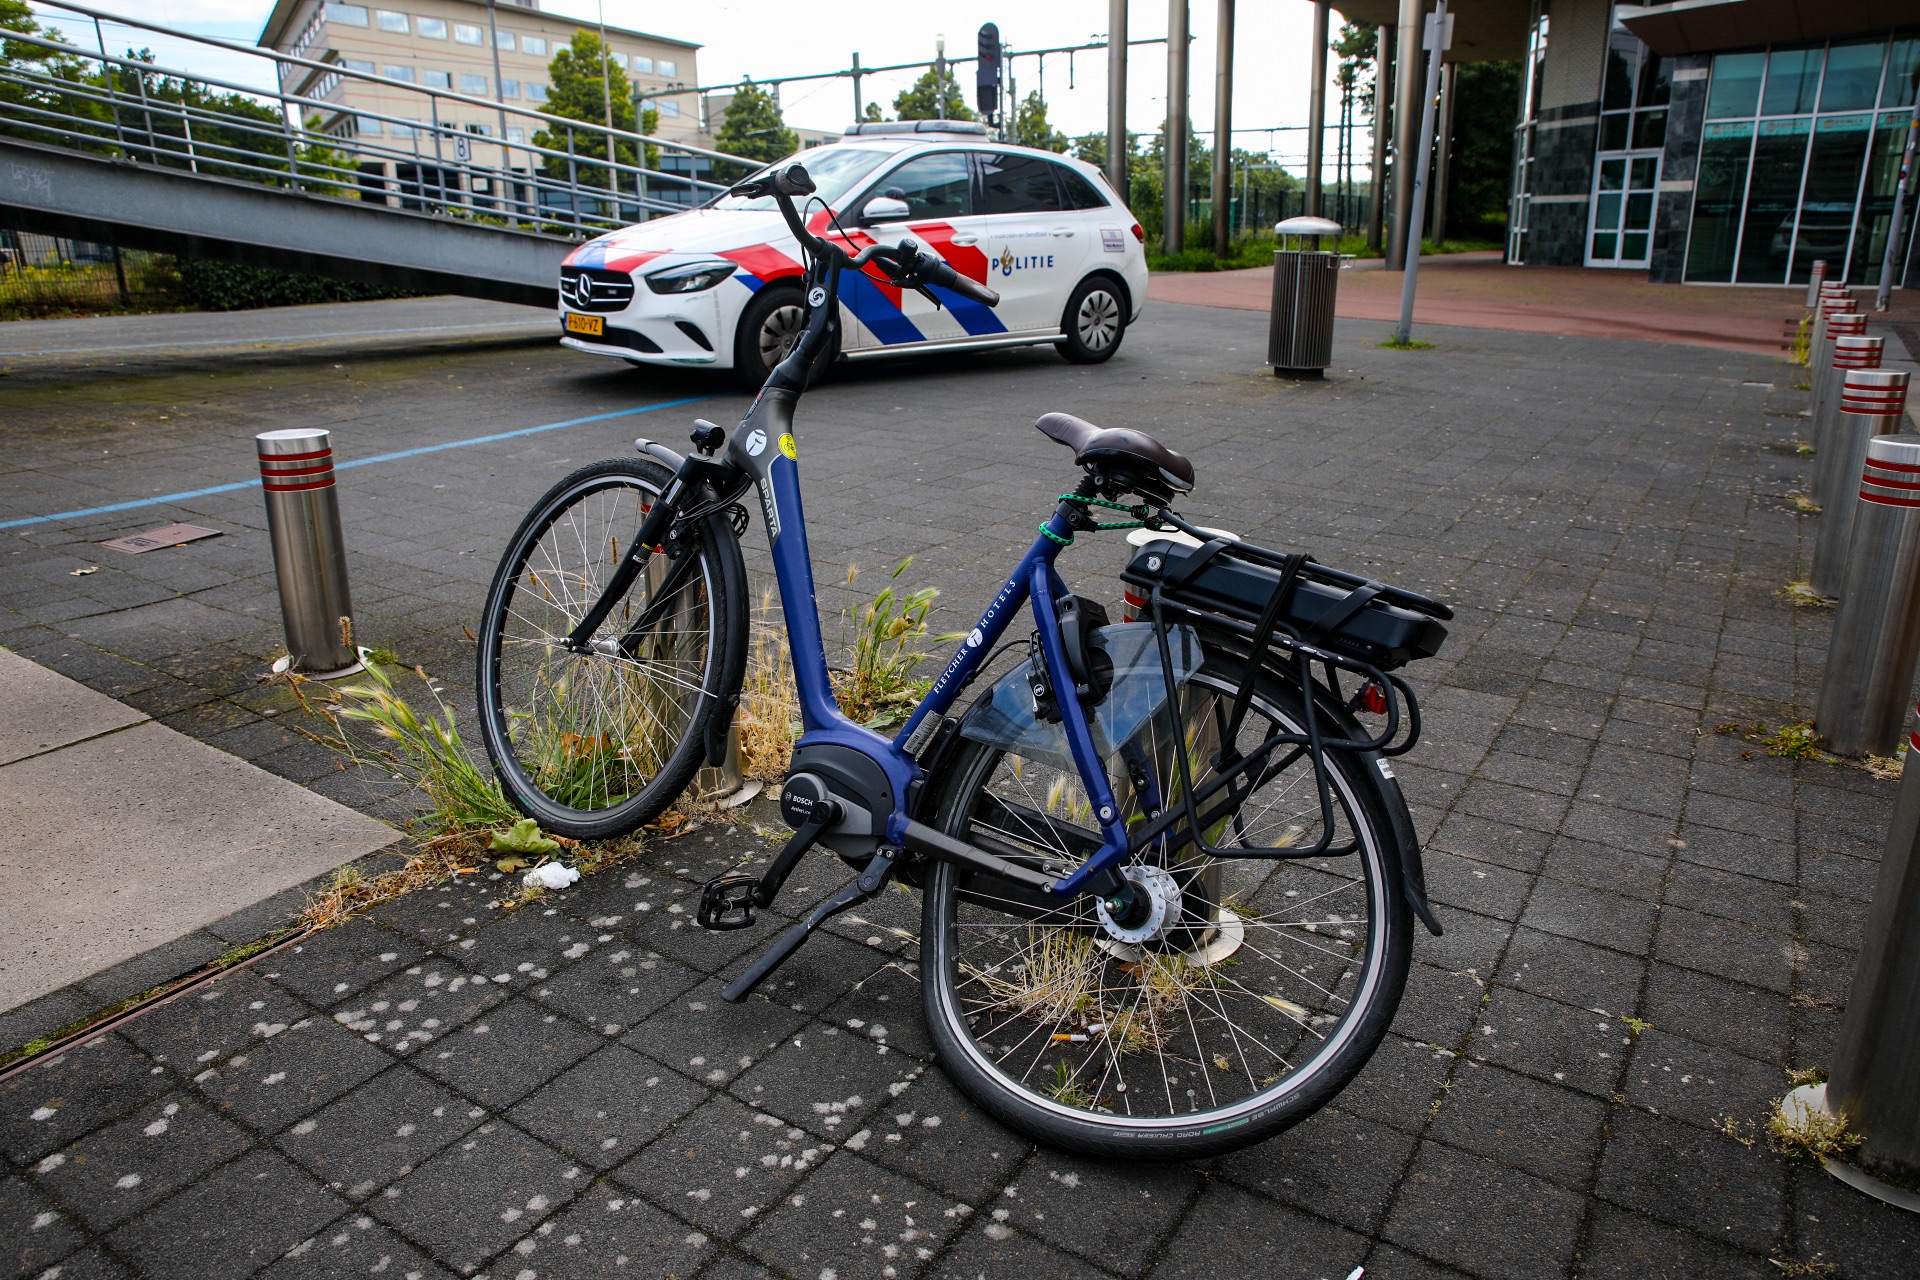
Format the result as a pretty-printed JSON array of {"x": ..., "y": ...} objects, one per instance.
[{"x": 593, "y": 326}]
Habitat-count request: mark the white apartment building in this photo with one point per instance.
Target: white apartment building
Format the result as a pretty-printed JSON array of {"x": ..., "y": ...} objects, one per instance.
[{"x": 456, "y": 45}]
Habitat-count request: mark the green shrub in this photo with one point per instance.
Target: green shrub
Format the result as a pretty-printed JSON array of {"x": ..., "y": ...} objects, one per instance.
[{"x": 226, "y": 286}]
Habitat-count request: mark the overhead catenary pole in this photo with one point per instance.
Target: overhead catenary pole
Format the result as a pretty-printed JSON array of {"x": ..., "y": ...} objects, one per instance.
[
  {"x": 940, "y": 76},
  {"x": 1436, "y": 41},
  {"x": 1173, "y": 189},
  {"x": 1223, "y": 133},
  {"x": 1406, "y": 122},
  {"x": 859, "y": 108},
  {"x": 1443, "y": 149},
  {"x": 1317, "y": 106},
  {"x": 1117, "y": 96},
  {"x": 1900, "y": 194},
  {"x": 1383, "y": 46}
]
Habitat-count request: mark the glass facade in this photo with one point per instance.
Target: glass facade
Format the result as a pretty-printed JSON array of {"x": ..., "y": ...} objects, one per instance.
[
  {"x": 1626, "y": 173},
  {"x": 1524, "y": 131},
  {"x": 1799, "y": 158}
]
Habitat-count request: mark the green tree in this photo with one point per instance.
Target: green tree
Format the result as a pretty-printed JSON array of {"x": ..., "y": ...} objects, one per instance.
[
  {"x": 579, "y": 90},
  {"x": 754, "y": 127},
  {"x": 650, "y": 125},
  {"x": 1355, "y": 46},
  {"x": 1031, "y": 129},
  {"x": 1478, "y": 178},
  {"x": 923, "y": 101},
  {"x": 873, "y": 113}
]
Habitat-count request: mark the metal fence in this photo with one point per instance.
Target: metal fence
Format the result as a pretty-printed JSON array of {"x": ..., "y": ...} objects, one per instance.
[
  {"x": 524, "y": 168},
  {"x": 42, "y": 276}
]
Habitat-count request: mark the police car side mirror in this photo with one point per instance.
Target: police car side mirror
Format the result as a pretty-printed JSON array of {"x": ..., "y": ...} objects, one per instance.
[{"x": 884, "y": 209}]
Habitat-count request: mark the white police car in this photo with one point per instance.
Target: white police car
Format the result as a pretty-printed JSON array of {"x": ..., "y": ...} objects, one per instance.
[{"x": 720, "y": 285}]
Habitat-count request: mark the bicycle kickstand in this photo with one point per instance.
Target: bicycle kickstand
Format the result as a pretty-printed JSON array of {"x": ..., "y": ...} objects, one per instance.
[{"x": 870, "y": 882}]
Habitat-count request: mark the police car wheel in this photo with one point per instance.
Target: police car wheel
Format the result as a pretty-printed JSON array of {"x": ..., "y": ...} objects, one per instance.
[
  {"x": 768, "y": 329},
  {"x": 1095, "y": 321}
]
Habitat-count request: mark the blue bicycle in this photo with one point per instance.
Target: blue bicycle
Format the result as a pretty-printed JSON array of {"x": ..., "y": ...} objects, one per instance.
[{"x": 1169, "y": 880}]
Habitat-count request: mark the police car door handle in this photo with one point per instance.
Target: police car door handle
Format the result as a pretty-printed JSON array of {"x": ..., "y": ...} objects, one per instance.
[
  {"x": 963, "y": 240},
  {"x": 1063, "y": 231}
]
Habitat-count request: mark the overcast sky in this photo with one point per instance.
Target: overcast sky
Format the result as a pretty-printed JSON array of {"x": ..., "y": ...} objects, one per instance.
[{"x": 766, "y": 38}]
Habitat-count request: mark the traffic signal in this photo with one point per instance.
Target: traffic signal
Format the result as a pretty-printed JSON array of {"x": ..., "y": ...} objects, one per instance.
[{"x": 987, "y": 71}]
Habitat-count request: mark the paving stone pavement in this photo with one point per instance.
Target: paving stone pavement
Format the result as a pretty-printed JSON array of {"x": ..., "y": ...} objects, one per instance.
[{"x": 435, "y": 1089}]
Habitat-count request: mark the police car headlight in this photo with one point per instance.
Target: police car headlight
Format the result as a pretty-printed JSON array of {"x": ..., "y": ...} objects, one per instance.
[{"x": 690, "y": 277}]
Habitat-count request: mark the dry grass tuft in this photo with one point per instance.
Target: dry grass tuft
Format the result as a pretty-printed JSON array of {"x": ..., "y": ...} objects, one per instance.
[
  {"x": 1802, "y": 596},
  {"x": 1808, "y": 1134},
  {"x": 1801, "y": 502},
  {"x": 769, "y": 713}
]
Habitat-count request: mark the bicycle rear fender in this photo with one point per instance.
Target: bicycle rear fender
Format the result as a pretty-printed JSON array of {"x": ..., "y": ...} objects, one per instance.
[{"x": 1413, "y": 871}]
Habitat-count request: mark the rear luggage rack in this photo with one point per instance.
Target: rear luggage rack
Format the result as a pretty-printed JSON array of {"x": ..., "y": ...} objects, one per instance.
[{"x": 1290, "y": 612}]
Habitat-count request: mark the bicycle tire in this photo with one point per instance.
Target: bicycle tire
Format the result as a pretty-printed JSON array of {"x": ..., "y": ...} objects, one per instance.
[
  {"x": 1151, "y": 1125},
  {"x": 582, "y": 769}
]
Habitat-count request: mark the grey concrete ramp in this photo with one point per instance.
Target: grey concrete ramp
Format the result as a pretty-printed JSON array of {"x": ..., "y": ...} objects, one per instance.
[
  {"x": 138, "y": 206},
  {"x": 123, "y": 835}
]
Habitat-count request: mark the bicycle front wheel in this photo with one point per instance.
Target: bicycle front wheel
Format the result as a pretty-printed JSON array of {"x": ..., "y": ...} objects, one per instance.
[
  {"x": 1258, "y": 995},
  {"x": 595, "y": 744}
]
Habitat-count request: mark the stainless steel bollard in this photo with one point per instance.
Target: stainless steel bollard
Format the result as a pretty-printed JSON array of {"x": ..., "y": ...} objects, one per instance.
[
  {"x": 1815, "y": 279},
  {"x": 309, "y": 558},
  {"x": 1869, "y": 405},
  {"x": 1850, "y": 351},
  {"x": 1876, "y": 634},
  {"x": 1876, "y": 1071},
  {"x": 1837, "y": 316}
]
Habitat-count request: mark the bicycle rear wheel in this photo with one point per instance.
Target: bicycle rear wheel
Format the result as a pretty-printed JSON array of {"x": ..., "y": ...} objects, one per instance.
[
  {"x": 593, "y": 745},
  {"x": 1266, "y": 989}
]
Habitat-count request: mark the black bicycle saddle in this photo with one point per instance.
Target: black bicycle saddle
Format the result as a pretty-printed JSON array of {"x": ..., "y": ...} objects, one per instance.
[{"x": 1119, "y": 447}]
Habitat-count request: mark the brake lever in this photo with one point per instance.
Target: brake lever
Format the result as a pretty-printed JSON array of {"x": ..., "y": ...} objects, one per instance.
[{"x": 927, "y": 293}]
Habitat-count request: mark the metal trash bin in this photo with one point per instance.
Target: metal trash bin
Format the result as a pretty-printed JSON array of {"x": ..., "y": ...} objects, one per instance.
[
  {"x": 309, "y": 556},
  {"x": 1876, "y": 632},
  {"x": 1300, "y": 333}
]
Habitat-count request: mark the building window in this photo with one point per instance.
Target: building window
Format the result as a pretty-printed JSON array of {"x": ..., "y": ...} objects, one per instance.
[
  {"x": 347, "y": 15},
  {"x": 1520, "y": 199},
  {"x": 504, "y": 39},
  {"x": 399, "y": 130},
  {"x": 642, "y": 66},
  {"x": 431, "y": 28},
  {"x": 395, "y": 22},
  {"x": 668, "y": 68},
  {"x": 481, "y": 130},
  {"x": 618, "y": 59},
  {"x": 509, "y": 88},
  {"x": 367, "y": 126},
  {"x": 465, "y": 33},
  {"x": 473, "y": 85},
  {"x": 398, "y": 73},
  {"x": 536, "y": 92},
  {"x": 535, "y": 45},
  {"x": 516, "y": 134},
  {"x": 668, "y": 107},
  {"x": 437, "y": 79},
  {"x": 357, "y": 64},
  {"x": 1799, "y": 160}
]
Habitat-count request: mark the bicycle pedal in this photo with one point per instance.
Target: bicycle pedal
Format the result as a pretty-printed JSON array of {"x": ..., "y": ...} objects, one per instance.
[{"x": 727, "y": 903}]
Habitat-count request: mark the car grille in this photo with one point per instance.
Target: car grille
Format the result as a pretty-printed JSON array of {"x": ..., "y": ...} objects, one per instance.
[{"x": 595, "y": 289}]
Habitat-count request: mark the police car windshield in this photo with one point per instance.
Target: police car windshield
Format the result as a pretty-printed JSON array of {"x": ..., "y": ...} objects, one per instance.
[{"x": 834, "y": 170}]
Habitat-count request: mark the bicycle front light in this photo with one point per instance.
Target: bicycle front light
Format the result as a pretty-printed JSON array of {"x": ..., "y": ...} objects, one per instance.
[{"x": 690, "y": 277}]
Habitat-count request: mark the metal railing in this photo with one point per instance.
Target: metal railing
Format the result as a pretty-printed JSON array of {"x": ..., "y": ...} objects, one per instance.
[{"x": 546, "y": 173}]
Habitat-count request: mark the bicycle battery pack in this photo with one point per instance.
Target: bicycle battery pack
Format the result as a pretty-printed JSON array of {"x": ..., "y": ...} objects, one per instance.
[{"x": 1339, "y": 618}]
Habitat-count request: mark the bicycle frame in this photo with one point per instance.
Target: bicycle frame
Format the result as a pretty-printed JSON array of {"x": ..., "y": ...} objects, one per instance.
[{"x": 774, "y": 469}]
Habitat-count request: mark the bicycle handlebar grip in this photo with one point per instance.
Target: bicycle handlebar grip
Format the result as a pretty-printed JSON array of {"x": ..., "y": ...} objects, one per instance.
[
  {"x": 794, "y": 180},
  {"x": 943, "y": 274}
]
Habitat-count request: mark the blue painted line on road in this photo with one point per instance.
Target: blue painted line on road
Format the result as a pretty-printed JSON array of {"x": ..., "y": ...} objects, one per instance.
[{"x": 356, "y": 462}]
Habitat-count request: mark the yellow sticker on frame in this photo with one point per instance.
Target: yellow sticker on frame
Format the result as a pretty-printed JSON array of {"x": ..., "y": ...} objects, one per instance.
[{"x": 788, "y": 447}]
